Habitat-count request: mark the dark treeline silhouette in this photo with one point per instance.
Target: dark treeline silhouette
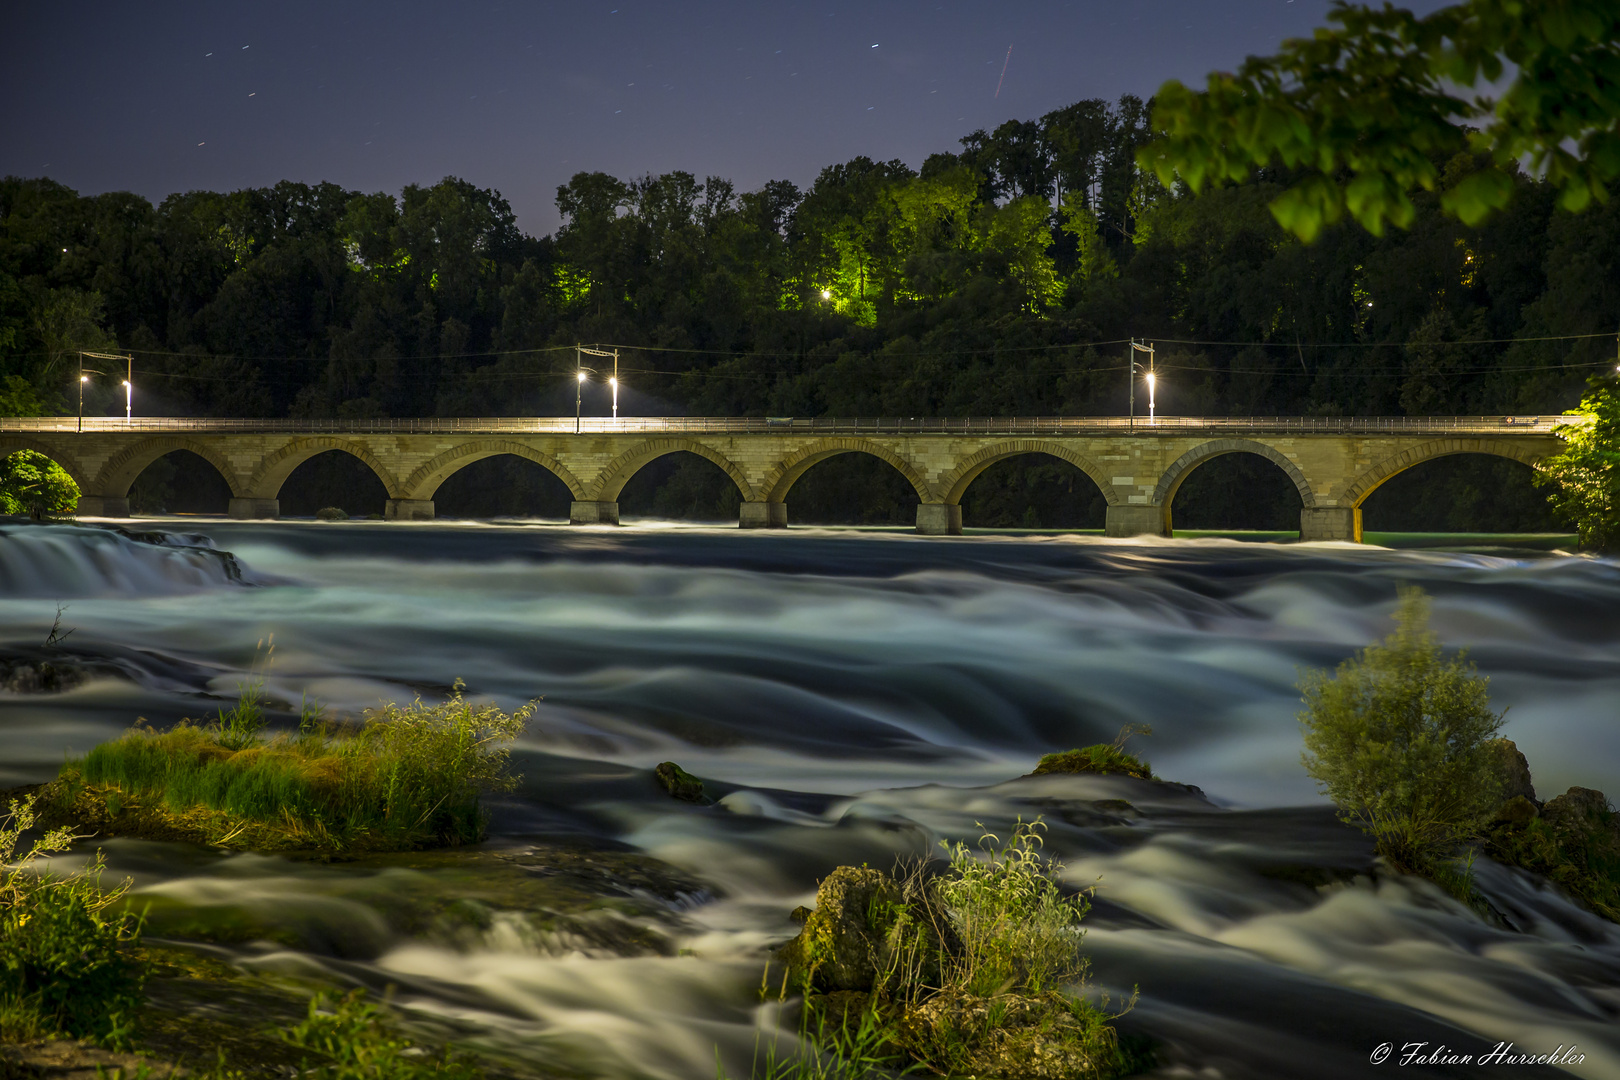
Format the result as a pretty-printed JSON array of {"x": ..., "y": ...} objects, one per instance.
[{"x": 995, "y": 280}]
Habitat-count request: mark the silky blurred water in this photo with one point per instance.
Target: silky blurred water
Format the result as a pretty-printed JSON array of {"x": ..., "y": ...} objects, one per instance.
[{"x": 858, "y": 696}]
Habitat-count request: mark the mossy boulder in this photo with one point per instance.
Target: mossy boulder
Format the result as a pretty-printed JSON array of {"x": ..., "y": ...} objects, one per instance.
[
  {"x": 842, "y": 942},
  {"x": 1514, "y": 771},
  {"x": 1010, "y": 1036},
  {"x": 1573, "y": 839},
  {"x": 1104, "y": 758},
  {"x": 679, "y": 784}
]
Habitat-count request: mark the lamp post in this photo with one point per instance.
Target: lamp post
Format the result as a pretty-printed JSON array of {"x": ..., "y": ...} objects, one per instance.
[
  {"x": 129, "y": 380},
  {"x": 1151, "y": 379},
  {"x": 580, "y": 352},
  {"x": 578, "y": 387}
]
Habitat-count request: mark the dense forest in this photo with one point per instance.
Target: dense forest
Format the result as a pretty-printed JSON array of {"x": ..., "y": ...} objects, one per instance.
[{"x": 1003, "y": 278}]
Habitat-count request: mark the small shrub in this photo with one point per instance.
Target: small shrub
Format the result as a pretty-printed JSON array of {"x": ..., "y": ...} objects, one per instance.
[
  {"x": 1017, "y": 929},
  {"x": 331, "y": 513},
  {"x": 1399, "y": 738},
  {"x": 64, "y": 963}
]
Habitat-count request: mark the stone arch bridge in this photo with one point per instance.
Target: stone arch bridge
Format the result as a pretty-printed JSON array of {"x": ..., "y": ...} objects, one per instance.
[{"x": 1335, "y": 462}]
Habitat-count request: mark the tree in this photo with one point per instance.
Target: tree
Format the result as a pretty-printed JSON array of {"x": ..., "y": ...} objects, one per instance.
[
  {"x": 1372, "y": 108},
  {"x": 33, "y": 484},
  {"x": 1585, "y": 476},
  {"x": 1399, "y": 738}
]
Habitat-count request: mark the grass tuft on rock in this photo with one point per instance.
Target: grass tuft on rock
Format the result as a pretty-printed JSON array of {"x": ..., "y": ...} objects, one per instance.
[
  {"x": 407, "y": 777},
  {"x": 1106, "y": 758}
]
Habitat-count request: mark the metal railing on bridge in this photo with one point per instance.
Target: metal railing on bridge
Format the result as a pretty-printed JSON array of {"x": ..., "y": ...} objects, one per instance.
[{"x": 784, "y": 425}]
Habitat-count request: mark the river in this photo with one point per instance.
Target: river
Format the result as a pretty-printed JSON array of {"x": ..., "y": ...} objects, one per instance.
[{"x": 853, "y": 697}]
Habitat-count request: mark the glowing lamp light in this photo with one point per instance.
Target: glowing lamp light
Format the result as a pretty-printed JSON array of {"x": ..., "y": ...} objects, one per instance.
[
  {"x": 1151, "y": 380},
  {"x": 582, "y": 376},
  {"x": 613, "y": 383},
  {"x": 84, "y": 378},
  {"x": 826, "y": 294}
]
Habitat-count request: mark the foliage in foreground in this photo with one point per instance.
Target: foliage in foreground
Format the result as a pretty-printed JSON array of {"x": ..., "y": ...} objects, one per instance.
[
  {"x": 408, "y": 777},
  {"x": 65, "y": 961},
  {"x": 963, "y": 972},
  {"x": 356, "y": 1042},
  {"x": 1399, "y": 738},
  {"x": 33, "y": 484},
  {"x": 1366, "y": 111},
  {"x": 1584, "y": 477}
]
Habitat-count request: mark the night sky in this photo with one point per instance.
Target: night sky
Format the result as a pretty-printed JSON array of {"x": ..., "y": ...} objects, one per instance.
[{"x": 157, "y": 98}]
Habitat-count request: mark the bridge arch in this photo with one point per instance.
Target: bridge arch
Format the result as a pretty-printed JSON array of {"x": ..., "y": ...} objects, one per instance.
[
  {"x": 427, "y": 478},
  {"x": 11, "y": 443},
  {"x": 618, "y": 472},
  {"x": 954, "y": 484},
  {"x": 1375, "y": 475},
  {"x": 781, "y": 478},
  {"x": 1179, "y": 469},
  {"x": 273, "y": 471},
  {"x": 122, "y": 469}
]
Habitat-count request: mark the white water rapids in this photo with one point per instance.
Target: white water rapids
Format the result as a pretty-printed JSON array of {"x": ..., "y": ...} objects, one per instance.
[{"x": 855, "y": 697}]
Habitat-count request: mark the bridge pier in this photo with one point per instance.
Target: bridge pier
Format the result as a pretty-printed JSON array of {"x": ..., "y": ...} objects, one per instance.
[
  {"x": 103, "y": 506},
  {"x": 1134, "y": 519},
  {"x": 408, "y": 510},
  {"x": 593, "y": 513},
  {"x": 762, "y": 515},
  {"x": 254, "y": 508},
  {"x": 939, "y": 519},
  {"x": 1330, "y": 523}
]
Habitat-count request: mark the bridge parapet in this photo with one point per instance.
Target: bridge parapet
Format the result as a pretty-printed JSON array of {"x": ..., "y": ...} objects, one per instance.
[
  {"x": 794, "y": 425},
  {"x": 1334, "y": 462}
]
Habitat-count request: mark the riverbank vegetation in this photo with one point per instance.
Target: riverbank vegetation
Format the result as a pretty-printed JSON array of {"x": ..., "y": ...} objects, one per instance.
[
  {"x": 1584, "y": 479},
  {"x": 403, "y": 777},
  {"x": 65, "y": 945},
  {"x": 969, "y": 968},
  {"x": 33, "y": 484}
]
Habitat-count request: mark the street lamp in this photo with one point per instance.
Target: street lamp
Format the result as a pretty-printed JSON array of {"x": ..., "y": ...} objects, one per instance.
[
  {"x": 578, "y": 387},
  {"x": 1137, "y": 368},
  {"x": 580, "y": 352},
  {"x": 129, "y": 380}
]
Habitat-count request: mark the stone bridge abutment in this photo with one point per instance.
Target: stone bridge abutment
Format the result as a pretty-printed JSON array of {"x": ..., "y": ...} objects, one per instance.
[{"x": 1138, "y": 470}]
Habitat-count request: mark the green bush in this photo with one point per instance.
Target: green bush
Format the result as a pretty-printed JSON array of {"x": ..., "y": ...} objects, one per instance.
[
  {"x": 410, "y": 776},
  {"x": 1016, "y": 928},
  {"x": 31, "y": 483},
  {"x": 1398, "y": 738},
  {"x": 65, "y": 964},
  {"x": 1585, "y": 476}
]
